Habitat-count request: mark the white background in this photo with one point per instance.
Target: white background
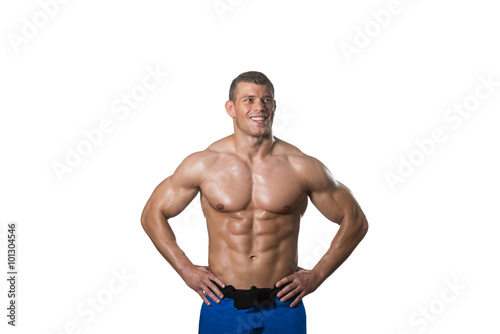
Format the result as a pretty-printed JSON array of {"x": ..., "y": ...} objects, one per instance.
[{"x": 439, "y": 225}]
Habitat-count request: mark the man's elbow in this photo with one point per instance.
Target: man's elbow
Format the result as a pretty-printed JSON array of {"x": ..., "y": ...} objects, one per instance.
[
  {"x": 358, "y": 225},
  {"x": 152, "y": 218},
  {"x": 363, "y": 227},
  {"x": 144, "y": 225},
  {"x": 145, "y": 220}
]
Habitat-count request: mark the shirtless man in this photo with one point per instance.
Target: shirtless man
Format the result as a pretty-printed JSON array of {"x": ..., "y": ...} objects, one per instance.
[{"x": 254, "y": 188}]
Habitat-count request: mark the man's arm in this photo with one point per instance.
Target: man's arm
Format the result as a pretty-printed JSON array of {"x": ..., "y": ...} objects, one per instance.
[
  {"x": 168, "y": 200},
  {"x": 337, "y": 204}
]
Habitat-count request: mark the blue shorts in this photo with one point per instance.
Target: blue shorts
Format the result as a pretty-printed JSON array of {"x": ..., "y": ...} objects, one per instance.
[{"x": 278, "y": 318}]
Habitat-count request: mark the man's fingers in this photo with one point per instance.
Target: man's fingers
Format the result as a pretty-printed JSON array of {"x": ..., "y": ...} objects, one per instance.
[
  {"x": 284, "y": 281},
  {"x": 289, "y": 294},
  {"x": 217, "y": 280},
  {"x": 285, "y": 290},
  {"x": 297, "y": 300},
  {"x": 210, "y": 284},
  {"x": 207, "y": 292},
  {"x": 212, "y": 295},
  {"x": 215, "y": 290},
  {"x": 205, "y": 299}
]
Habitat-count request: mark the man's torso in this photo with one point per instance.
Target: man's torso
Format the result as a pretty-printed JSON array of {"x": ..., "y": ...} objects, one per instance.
[{"x": 253, "y": 211}]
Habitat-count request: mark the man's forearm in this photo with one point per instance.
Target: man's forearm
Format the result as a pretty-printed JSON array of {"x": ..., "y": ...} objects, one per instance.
[
  {"x": 163, "y": 238},
  {"x": 351, "y": 232},
  {"x": 198, "y": 278}
]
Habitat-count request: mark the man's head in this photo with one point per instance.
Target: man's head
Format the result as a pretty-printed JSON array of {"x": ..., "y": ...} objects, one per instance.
[
  {"x": 251, "y": 104},
  {"x": 254, "y": 77}
]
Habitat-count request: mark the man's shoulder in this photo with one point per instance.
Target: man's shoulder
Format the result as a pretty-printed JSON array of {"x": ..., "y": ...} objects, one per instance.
[
  {"x": 208, "y": 155},
  {"x": 218, "y": 147},
  {"x": 306, "y": 167},
  {"x": 294, "y": 155}
]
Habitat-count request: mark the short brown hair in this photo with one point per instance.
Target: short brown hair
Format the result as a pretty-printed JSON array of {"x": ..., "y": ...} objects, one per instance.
[{"x": 254, "y": 77}]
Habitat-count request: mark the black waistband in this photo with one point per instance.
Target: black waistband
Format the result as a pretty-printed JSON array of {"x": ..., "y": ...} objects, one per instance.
[{"x": 255, "y": 297}]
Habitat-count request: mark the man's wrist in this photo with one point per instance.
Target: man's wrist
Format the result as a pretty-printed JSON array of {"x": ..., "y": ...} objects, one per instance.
[
  {"x": 184, "y": 268},
  {"x": 319, "y": 274}
]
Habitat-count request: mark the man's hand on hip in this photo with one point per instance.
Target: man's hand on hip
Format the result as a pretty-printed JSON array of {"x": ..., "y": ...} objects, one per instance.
[
  {"x": 199, "y": 278},
  {"x": 301, "y": 283}
]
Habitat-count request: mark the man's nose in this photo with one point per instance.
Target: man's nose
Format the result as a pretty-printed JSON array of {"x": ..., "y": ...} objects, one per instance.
[{"x": 259, "y": 105}]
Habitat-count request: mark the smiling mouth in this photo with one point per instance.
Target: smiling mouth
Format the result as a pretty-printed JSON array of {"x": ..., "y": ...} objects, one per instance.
[{"x": 258, "y": 118}]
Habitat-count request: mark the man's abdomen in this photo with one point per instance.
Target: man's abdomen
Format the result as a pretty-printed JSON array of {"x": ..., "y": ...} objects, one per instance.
[{"x": 259, "y": 257}]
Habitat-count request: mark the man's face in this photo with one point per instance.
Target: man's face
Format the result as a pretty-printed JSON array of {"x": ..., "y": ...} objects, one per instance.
[{"x": 253, "y": 108}]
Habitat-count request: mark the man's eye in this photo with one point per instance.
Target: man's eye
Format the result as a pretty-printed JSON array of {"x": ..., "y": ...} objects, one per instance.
[
  {"x": 248, "y": 100},
  {"x": 268, "y": 101}
]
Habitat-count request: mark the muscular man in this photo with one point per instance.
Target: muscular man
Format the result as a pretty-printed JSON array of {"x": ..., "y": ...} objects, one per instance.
[{"x": 254, "y": 189}]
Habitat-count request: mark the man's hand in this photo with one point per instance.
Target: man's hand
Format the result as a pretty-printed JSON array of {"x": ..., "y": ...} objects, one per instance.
[
  {"x": 199, "y": 278},
  {"x": 302, "y": 283}
]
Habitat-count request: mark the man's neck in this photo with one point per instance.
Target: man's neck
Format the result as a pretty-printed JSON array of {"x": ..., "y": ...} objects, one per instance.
[{"x": 253, "y": 147}]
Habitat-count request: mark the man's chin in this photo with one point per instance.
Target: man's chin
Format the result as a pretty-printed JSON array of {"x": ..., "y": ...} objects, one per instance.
[{"x": 262, "y": 134}]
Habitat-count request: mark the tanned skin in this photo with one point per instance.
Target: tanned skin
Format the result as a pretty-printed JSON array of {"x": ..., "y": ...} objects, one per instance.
[{"x": 254, "y": 189}]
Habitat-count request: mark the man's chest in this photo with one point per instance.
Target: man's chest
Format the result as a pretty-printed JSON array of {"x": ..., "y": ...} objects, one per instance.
[{"x": 231, "y": 185}]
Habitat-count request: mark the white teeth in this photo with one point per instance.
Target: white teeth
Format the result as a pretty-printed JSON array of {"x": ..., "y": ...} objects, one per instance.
[{"x": 258, "y": 118}]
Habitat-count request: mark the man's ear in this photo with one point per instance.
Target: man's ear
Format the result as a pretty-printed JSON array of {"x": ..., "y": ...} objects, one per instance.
[{"x": 230, "y": 108}]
